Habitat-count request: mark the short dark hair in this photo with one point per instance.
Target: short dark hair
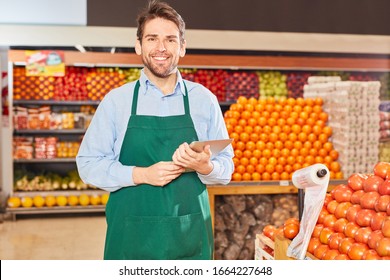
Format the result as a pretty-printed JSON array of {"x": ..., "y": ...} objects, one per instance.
[{"x": 157, "y": 9}]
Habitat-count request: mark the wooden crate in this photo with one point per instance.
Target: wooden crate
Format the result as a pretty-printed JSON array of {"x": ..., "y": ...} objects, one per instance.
[{"x": 279, "y": 248}]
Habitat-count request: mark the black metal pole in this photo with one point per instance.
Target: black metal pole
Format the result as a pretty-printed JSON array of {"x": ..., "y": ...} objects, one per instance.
[{"x": 301, "y": 199}]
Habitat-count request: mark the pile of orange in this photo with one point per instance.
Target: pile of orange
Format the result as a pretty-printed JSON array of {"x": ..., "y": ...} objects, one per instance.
[{"x": 275, "y": 137}]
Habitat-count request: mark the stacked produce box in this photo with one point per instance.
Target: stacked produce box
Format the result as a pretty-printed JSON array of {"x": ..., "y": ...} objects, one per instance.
[{"x": 353, "y": 109}]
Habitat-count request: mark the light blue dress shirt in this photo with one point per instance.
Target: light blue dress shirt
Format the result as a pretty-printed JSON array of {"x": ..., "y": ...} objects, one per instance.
[{"x": 98, "y": 157}]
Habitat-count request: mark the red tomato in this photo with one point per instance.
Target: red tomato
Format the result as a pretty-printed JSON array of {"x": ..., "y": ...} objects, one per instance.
[
  {"x": 269, "y": 231},
  {"x": 362, "y": 234},
  {"x": 313, "y": 244},
  {"x": 357, "y": 250},
  {"x": 384, "y": 188},
  {"x": 342, "y": 193},
  {"x": 332, "y": 205},
  {"x": 383, "y": 247},
  {"x": 320, "y": 251},
  {"x": 382, "y": 169},
  {"x": 370, "y": 254},
  {"x": 369, "y": 199},
  {"x": 334, "y": 240},
  {"x": 322, "y": 215},
  {"x": 341, "y": 209},
  {"x": 385, "y": 228},
  {"x": 345, "y": 244},
  {"x": 342, "y": 257},
  {"x": 371, "y": 184},
  {"x": 356, "y": 196},
  {"x": 381, "y": 203},
  {"x": 352, "y": 211},
  {"x": 317, "y": 230},
  {"x": 331, "y": 254},
  {"x": 324, "y": 235},
  {"x": 351, "y": 229},
  {"x": 339, "y": 225},
  {"x": 290, "y": 230},
  {"x": 355, "y": 181},
  {"x": 363, "y": 217},
  {"x": 330, "y": 220},
  {"x": 373, "y": 239},
  {"x": 377, "y": 220}
]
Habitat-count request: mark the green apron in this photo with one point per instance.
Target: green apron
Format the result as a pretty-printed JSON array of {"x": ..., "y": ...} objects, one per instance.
[{"x": 146, "y": 222}]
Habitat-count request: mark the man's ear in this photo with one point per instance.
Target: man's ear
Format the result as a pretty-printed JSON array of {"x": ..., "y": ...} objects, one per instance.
[
  {"x": 183, "y": 48},
  {"x": 138, "y": 47}
]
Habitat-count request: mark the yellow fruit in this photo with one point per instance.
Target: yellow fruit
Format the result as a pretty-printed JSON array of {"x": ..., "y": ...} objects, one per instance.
[
  {"x": 84, "y": 200},
  {"x": 14, "y": 202},
  {"x": 38, "y": 201},
  {"x": 50, "y": 201},
  {"x": 73, "y": 200},
  {"x": 105, "y": 197},
  {"x": 27, "y": 201},
  {"x": 95, "y": 199},
  {"x": 61, "y": 200}
]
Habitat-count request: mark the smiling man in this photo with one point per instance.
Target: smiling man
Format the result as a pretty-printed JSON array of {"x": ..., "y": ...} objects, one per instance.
[{"x": 137, "y": 148}]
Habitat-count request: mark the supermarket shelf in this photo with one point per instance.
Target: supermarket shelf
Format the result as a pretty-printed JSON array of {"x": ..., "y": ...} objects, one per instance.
[
  {"x": 67, "y": 192},
  {"x": 45, "y": 160},
  {"x": 56, "y": 209},
  {"x": 50, "y": 131},
  {"x": 55, "y": 102}
]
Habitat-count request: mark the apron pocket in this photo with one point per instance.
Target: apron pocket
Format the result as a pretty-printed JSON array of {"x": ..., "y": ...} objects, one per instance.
[{"x": 163, "y": 238}]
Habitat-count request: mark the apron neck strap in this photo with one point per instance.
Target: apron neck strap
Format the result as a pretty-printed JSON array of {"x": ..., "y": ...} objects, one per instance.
[{"x": 135, "y": 99}]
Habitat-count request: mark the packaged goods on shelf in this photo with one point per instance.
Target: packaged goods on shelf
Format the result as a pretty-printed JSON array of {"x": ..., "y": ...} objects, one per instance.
[{"x": 353, "y": 109}]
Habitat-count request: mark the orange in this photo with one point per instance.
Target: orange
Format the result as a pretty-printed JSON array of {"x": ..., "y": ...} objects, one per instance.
[
  {"x": 279, "y": 168},
  {"x": 269, "y": 168},
  {"x": 73, "y": 200},
  {"x": 235, "y": 136},
  {"x": 307, "y": 145},
  {"x": 288, "y": 168},
  {"x": 286, "y": 129},
  {"x": 247, "y": 154},
  {"x": 313, "y": 152},
  {"x": 335, "y": 166},
  {"x": 267, "y": 129},
  {"x": 260, "y": 145},
  {"x": 249, "y": 107},
  {"x": 282, "y": 136},
  {"x": 242, "y": 100},
  {"x": 242, "y": 122},
  {"x": 322, "y": 152},
  {"x": 334, "y": 154},
  {"x": 236, "y": 176},
  {"x": 297, "y": 166},
  {"x": 292, "y": 136},
  {"x": 240, "y": 169},
  {"x": 252, "y": 101},
  {"x": 328, "y": 146},
  {"x": 272, "y": 137},
  {"x": 245, "y": 114},
  {"x": 269, "y": 145},
  {"x": 246, "y": 176},
  {"x": 38, "y": 201},
  {"x": 253, "y": 161},
  {"x": 300, "y": 159},
  {"x": 252, "y": 122},
  {"x": 274, "y": 115},
  {"x": 14, "y": 202},
  {"x": 250, "y": 145},
  {"x": 238, "y": 153},
  {"x": 260, "y": 168},
  {"x": 276, "y": 129},
  {"x": 327, "y": 130},
  {"x": 323, "y": 138},
  {"x": 281, "y": 122},
  {"x": 262, "y": 121},
  {"x": 304, "y": 151},
  {"x": 275, "y": 176},
  {"x": 290, "y": 161},
  {"x": 278, "y": 145},
  {"x": 317, "y": 109},
  {"x": 323, "y": 116},
  {"x": 255, "y": 115},
  {"x": 266, "y": 176},
  {"x": 238, "y": 129},
  {"x": 244, "y": 161},
  {"x": 282, "y": 160},
  {"x": 284, "y": 176},
  {"x": 256, "y": 176},
  {"x": 312, "y": 137},
  {"x": 256, "y": 153},
  {"x": 285, "y": 152},
  {"x": 272, "y": 161},
  {"x": 236, "y": 161},
  {"x": 309, "y": 159},
  {"x": 104, "y": 198},
  {"x": 244, "y": 137},
  {"x": 27, "y": 201},
  {"x": 61, "y": 200},
  {"x": 257, "y": 129},
  {"x": 294, "y": 152},
  {"x": 291, "y": 101},
  {"x": 84, "y": 199},
  {"x": 288, "y": 144},
  {"x": 240, "y": 145},
  {"x": 250, "y": 168}
]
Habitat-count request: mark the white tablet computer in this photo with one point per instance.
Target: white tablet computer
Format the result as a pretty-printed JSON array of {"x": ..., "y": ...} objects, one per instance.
[{"x": 216, "y": 146}]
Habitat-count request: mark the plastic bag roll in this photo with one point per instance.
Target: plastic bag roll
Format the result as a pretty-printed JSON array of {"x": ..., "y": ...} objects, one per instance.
[{"x": 314, "y": 180}]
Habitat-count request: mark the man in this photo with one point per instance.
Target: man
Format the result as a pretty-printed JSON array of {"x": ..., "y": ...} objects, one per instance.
[{"x": 137, "y": 148}]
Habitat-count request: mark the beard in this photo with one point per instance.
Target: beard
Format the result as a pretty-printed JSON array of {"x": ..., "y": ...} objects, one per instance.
[{"x": 159, "y": 70}]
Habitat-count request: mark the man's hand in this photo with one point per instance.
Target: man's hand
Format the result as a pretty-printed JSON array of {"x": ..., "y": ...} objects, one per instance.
[
  {"x": 188, "y": 158},
  {"x": 158, "y": 174}
]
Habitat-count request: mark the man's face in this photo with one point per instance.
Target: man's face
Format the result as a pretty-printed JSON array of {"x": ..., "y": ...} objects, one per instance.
[{"x": 160, "y": 48}]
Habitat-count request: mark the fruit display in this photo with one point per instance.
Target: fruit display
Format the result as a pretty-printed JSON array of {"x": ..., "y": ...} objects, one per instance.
[
  {"x": 273, "y": 138},
  {"x": 241, "y": 83},
  {"x": 27, "y": 181},
  {"x": 79, "y": 83},
  {"x": 354, "y": 223},
  {"x": 296, "y": 82},
  {"x": 57, "y": 200},
  {"x": 353, "y": 108},
  {"x": 272, "y": 84}
]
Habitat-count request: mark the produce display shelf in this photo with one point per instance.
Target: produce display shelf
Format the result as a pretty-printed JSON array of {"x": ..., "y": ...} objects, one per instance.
[
  {"x": 56, "y": 209},
  {"x": 56, "y": 102},
  {"x": 45, "y": 160},
  {"x": 50, "y": 131}
]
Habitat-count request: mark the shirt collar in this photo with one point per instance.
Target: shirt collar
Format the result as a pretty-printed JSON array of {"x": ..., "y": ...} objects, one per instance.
[{"x": 145, "y": 83}]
